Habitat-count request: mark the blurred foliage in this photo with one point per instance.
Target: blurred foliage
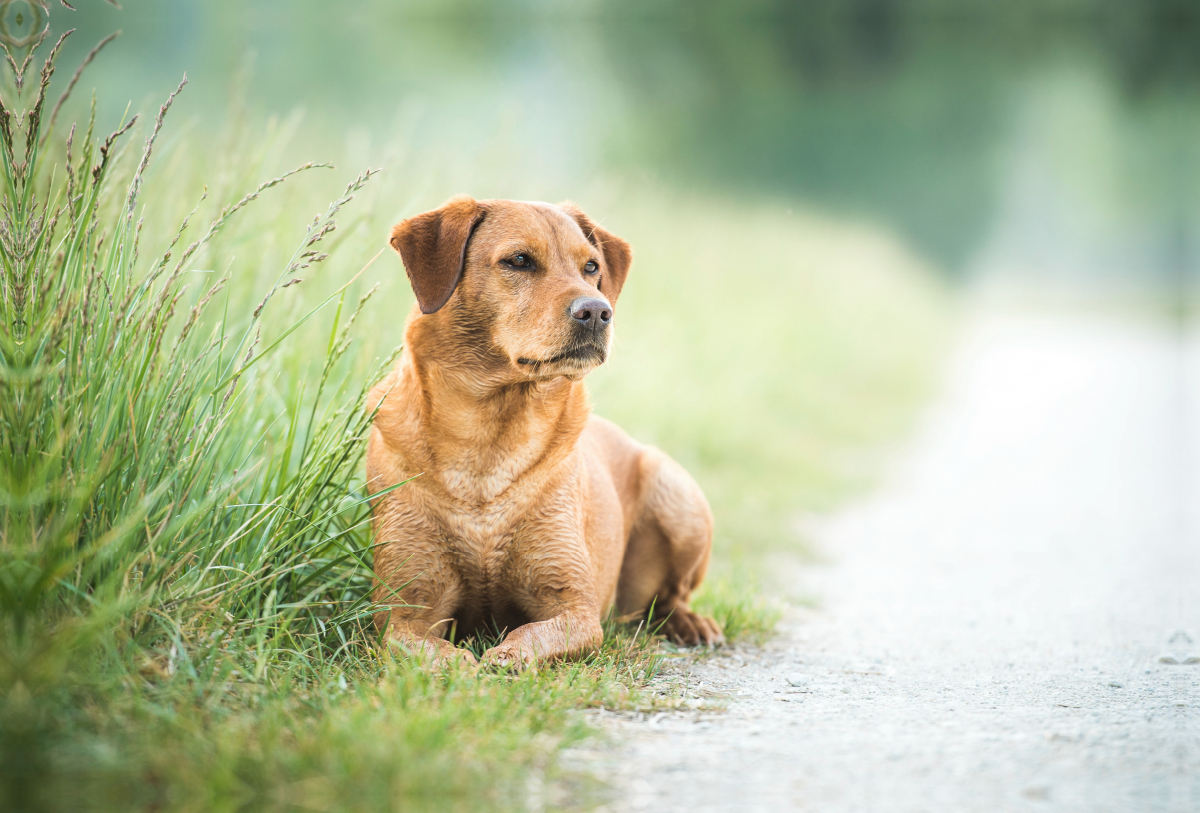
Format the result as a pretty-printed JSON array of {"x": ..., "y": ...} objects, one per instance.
[{"x": 900, "y": 111}]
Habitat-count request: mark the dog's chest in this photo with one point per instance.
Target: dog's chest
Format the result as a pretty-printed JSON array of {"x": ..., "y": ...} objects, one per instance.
[
  {"x": 482, "y": 542},
  {"x": 478, "y": 532},
  {"x": 487, "y": 497},
  {"x": 484, "y": 477},
  {"x": 490, "y": 540}
]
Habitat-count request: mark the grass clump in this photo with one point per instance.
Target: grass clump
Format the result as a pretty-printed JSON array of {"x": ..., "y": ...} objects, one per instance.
[
  {"x": 184, "y": 553},
  {"x": 744, "y": 612}
]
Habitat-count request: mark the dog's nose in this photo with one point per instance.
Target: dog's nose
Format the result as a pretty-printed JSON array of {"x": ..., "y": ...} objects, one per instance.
[{"x": 591, "y": 312}]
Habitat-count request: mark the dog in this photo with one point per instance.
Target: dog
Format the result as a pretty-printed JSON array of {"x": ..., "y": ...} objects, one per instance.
[{"x": 530, "y": 514}]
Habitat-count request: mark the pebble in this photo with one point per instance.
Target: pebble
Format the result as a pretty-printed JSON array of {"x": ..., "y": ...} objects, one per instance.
[
  {"x": 797, "y": 679},
  {"x": 1116, "y": 684}
]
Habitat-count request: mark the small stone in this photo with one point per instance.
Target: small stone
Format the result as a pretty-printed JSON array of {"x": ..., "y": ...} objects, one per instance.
[
  {"x": 797, "y": 679},
  {"x": 1116, "y": 684}
]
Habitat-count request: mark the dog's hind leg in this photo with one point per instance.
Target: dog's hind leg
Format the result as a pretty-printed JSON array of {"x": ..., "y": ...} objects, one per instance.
[{"x": 668, "y": 551}]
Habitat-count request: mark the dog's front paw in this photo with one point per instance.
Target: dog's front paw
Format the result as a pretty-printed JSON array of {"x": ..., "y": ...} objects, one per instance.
[
  {"x": 687, "y": 628},
  {"x": 510, "y": 654},
  {"x": 434, "y": 654},
  {"x": 457, "y": 655}
]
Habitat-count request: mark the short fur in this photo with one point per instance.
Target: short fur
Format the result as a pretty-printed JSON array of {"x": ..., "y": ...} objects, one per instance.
[{"x": 530, "y": 515}]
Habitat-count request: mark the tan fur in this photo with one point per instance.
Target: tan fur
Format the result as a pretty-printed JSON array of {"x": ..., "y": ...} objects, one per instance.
[{"x": 530, "y": 514}]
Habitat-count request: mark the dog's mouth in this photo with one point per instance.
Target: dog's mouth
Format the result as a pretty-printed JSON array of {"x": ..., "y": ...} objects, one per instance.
[{"x": 583, "y": 353}]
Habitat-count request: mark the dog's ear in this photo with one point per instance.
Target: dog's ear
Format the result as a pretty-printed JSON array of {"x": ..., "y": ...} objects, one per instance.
[
  {"x": 618, "y": 256},
  {"x": 434, "y": 249}
]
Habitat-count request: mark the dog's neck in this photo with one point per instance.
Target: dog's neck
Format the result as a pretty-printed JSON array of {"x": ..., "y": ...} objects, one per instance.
[{"x": 476, "y": 431}]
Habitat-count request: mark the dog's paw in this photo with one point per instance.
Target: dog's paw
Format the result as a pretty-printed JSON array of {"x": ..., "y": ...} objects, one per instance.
[
  {"x": 434, "y": 654},
  {"x": 686, "y": 628},
  {"x": 457, "y": 655},
  {"x": 511, "y": 655}
]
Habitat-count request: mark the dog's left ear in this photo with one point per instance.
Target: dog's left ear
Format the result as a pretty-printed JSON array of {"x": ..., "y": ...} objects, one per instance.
[
  {"x": 434, "y": 249},
  {"x": 618, "y": 256}
]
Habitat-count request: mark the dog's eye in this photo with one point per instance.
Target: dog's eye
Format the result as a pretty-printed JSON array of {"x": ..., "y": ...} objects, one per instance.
[
  {"x": 590, "y": 267},
  {"x": 520, "y": 261}
]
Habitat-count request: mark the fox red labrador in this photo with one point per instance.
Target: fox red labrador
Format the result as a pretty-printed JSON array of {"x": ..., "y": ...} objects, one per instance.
[{"x": 531, "y": 515}]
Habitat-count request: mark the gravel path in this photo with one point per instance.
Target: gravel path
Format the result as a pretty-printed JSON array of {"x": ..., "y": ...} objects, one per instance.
[{"x": 996, "y": 629}]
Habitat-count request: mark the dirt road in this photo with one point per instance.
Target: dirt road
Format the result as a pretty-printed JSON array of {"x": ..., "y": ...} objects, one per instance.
[{"x": 1007, "y": 625}]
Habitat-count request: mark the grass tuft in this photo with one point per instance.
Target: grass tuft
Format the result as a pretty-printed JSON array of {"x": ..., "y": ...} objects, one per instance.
[{"x": 744, "y": 613}]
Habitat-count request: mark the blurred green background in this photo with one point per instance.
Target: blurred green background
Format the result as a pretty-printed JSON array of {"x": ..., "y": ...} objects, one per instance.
[{"x": 1058, "y": 135}]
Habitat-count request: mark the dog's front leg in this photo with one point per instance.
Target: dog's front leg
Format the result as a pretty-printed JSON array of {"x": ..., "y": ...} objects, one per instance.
[
  {"x": 418, "y": 592},
  {"x": 573, "y": 632}
]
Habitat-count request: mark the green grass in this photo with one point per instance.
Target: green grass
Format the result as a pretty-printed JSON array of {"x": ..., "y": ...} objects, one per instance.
[
  {"x": 185, "y": 551},
  {"x": 360, "y": 735}
]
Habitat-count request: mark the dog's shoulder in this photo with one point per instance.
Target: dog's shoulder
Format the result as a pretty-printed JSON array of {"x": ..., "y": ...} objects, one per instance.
[
  {"x": 603, "y": 432},
  {"x": 612, "y": 445}
]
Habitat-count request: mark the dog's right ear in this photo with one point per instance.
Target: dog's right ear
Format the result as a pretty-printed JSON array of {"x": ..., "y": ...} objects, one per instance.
[{"x": 434, "y": 249}]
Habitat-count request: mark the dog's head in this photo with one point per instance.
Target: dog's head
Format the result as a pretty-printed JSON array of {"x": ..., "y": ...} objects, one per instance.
[{"x": 528, "y": 287}]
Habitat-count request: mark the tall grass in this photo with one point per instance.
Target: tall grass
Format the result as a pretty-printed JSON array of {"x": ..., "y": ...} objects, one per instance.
[{"x": 184, "y": 576}]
